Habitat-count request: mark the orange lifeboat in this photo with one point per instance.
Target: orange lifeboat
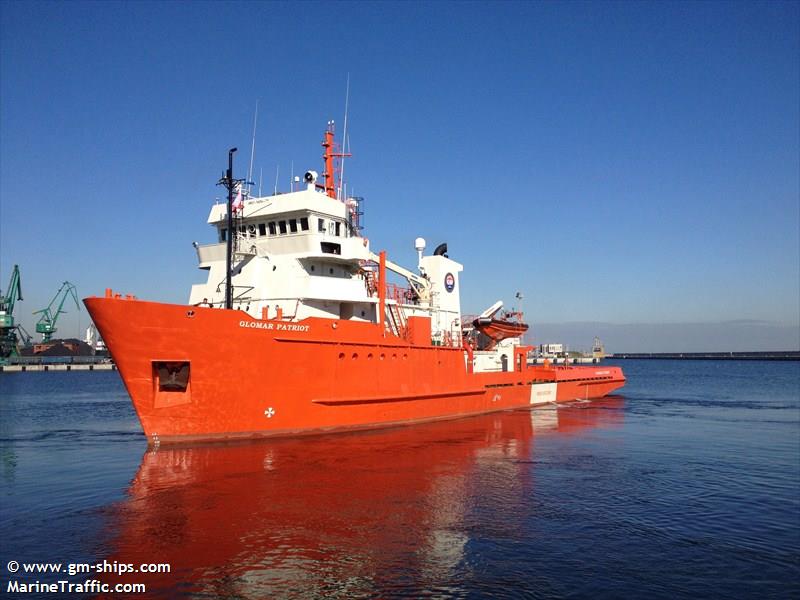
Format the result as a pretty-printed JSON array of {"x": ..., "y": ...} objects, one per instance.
[{"x": 498, "y": 330}]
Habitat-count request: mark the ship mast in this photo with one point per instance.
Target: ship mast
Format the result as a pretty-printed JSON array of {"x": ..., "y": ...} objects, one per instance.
[
  {"x": 329, "y": 173},
  {"x": 230, "y": 183}
]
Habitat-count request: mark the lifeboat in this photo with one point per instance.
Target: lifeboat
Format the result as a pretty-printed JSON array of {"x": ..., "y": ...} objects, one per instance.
[
  {"x": 508, "y": 325},
  {"x": 500, "y": 329}
]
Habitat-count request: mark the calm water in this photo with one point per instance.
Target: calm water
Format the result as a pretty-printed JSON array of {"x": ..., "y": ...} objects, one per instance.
[{"x": 687, "y": 485}]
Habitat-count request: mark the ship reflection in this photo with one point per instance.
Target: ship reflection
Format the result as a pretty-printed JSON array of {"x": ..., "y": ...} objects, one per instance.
[{"x": 366, "y": 514}]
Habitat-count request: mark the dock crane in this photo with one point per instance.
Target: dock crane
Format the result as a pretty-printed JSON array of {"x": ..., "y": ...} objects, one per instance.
[
  {"x": 46, "y": 325},
  {"x": 25, "y": 337},
  {"x": 8, "y": 331}
]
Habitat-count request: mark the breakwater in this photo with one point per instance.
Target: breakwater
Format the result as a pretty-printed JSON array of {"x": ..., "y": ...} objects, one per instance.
[{"x": 776, "y": 355}]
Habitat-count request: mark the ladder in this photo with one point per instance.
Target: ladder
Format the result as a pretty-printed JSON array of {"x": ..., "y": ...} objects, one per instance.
[
  {"x": 371, "y": 280},
  {"x": 395, "y": 321}
]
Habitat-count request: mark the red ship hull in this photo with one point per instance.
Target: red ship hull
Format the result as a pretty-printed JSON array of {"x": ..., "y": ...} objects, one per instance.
[{"x": 200, "y": 373}]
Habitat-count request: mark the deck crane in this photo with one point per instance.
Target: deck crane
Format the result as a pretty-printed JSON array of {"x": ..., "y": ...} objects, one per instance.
[
  {"x": 46, "y": 325},
  {"x": 8, "y": 331}
]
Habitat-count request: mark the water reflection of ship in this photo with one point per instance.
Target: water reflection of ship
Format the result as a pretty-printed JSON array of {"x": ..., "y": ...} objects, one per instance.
[{"x": 337, "y": 516}]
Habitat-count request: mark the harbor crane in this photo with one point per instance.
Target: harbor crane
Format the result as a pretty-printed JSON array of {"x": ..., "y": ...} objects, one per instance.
[
  {"x": 46, "y": 325},
  {"x": 8, "y": 331},
  {"x": 25, "y": 337}
]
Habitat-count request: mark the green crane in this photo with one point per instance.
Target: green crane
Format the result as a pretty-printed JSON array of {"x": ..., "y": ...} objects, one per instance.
[
  {"x": 46, "y": 325},
  {"x": 8, "y": 331}
]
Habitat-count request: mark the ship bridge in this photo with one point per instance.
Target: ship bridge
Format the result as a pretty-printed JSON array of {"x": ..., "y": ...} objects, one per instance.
[
  {"x": 301, "y": 254},
  {"x": 299, "y": 251}
]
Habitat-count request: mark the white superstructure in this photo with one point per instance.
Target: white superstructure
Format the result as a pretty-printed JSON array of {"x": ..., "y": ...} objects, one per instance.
[{"x": 300, "y": 254}]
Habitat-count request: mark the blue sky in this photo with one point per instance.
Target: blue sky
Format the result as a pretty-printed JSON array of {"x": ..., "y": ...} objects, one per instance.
[{"x": 619, "y": 163}]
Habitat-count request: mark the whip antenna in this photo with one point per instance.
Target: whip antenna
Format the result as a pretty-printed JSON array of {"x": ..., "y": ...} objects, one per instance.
[
  {"x": 252, "y": 152},
  {"x": 344, "y": 137}
]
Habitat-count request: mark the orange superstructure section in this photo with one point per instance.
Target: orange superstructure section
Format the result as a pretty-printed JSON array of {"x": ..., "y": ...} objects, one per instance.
[{"x": 201, "y": 373}]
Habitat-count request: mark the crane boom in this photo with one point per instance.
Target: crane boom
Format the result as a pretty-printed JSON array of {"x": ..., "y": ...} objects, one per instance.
[
  {"x": 8, "y": 331},
  {"x": 7, "y": 300},
  {"x": 46, "y": 325},
  {"x": 420, "y": 284}
]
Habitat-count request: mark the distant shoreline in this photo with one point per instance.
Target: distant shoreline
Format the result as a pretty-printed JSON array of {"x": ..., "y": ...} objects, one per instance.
[{"x": 773, "y": 355}]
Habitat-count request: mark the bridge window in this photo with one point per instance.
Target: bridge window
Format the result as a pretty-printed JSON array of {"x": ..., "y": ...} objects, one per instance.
[
  {"x": 282, "y": 227},
  {"x": 331, "y": 248},
  {"x": 272, "y": 228},
  {"x": 293, "y": 225},
  {"x": 223, "y": 235},
  {"x": 338, "y": 229},
  {"x": 304, "y": 223},
  {"x": 321, "y": 225},
  {"x": 262, "y": 229}
]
